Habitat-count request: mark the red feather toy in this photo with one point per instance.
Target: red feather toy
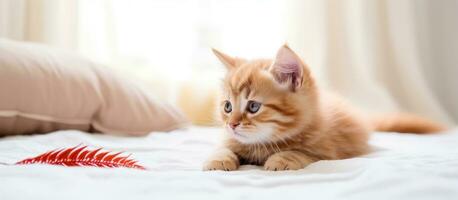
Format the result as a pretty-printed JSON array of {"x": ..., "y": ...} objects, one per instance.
[{"x": 80, "y": 156}]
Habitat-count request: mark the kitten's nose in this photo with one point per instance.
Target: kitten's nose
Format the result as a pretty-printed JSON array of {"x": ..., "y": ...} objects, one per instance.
[{"x": 234, "y": 125}]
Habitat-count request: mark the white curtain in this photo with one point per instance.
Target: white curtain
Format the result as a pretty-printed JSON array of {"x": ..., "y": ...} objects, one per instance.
[
  {"x": 383, "y": 55},
  {"x": 53, "y": 22}
]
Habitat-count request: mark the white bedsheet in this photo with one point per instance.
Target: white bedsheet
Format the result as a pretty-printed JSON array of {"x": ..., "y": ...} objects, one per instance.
[{"x": 401, "y": 167}]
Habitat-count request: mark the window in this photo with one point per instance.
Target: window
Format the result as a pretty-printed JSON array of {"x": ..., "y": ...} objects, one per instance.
[{"x": 171, "y": 39}]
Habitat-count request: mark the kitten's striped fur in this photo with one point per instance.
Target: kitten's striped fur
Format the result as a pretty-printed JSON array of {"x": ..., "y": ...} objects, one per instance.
[{"x": 297, "y": 124}]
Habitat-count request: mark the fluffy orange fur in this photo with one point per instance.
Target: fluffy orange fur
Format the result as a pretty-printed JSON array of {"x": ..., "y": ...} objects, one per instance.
[{"x": 275, "y": 116}]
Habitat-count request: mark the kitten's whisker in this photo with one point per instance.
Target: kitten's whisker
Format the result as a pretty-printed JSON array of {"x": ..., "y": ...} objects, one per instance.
[
  {"x": 264, "y": 145},
  {"x": 251, "y": 153},
  {"x": 281, "y": 139},
  {"x": 270, "y": 144},
  {"x": 279, "y": 150},
  {"x": 258, "y": 153},
  {"x": 275, "y": 147}
]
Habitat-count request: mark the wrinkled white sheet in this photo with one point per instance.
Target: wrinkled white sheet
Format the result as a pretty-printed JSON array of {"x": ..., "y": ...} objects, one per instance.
[{"x": 401, "y": 167}]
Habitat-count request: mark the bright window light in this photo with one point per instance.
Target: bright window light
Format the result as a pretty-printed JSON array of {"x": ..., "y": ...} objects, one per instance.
[{"x": 172, "y": 38}]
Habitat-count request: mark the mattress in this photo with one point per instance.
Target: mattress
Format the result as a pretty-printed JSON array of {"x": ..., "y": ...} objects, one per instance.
[{"x": 401, "y": 166}]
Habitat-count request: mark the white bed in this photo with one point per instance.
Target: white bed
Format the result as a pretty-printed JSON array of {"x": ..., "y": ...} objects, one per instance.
[{"x": 401, "y": 167}]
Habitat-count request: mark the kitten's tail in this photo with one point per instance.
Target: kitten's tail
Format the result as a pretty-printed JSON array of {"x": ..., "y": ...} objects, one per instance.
[{"x": 406, "y": 123}]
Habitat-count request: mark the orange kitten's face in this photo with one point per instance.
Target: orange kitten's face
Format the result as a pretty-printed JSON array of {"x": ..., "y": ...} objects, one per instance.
[{"x": 263, "y": 100}]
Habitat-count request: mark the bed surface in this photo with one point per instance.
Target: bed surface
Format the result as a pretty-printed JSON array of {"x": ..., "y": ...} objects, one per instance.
[{"x": 401, "y": 166}]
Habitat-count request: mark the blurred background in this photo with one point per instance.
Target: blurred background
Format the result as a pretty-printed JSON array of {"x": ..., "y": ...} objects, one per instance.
[{"x": 383, "y": 56}]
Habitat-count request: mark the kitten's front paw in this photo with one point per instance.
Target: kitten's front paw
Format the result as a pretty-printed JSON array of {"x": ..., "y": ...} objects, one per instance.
[
  {"x": 285, "y": 161},
  {"x": 279, "y": 164},
  {"x": 225, "y": 164}
]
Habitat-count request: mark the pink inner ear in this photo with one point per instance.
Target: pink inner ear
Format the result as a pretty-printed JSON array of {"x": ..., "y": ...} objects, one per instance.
[
  {"x": 287, "y": 62},
  {"x": 287, "y": 67}
]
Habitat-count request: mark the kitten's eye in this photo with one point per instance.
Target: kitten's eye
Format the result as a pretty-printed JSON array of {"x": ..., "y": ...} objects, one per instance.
[
  {"x": 227, "y": 107},
  {"x": 253, "y": 106}
]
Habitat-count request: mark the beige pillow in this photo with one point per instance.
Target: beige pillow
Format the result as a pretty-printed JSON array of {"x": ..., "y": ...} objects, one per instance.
[{"x": 43, "y": 90}]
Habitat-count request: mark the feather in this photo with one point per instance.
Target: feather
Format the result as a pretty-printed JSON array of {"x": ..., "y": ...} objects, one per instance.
[{"x": 80, "y": 156}]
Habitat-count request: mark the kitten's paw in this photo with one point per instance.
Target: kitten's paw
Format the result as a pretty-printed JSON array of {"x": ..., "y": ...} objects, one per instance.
[
  {"x": 289, "y": 160},
  {"x": 225, "y": 164},
  {"x": 279, "y": 164}
]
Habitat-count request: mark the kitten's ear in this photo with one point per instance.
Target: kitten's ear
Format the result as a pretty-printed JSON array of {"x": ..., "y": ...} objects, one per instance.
[
  {"x": 228, "y": 61},
  {"x": 288, "y": 68}
]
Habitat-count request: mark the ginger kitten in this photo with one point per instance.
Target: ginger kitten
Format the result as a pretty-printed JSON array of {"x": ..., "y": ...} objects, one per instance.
[{"x": 275, "y": 116}]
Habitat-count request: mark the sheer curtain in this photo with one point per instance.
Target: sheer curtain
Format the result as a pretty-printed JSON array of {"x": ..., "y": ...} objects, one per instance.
[
  {"x": 382, "y": 55},
  {"x": 52, "y": 22}
]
